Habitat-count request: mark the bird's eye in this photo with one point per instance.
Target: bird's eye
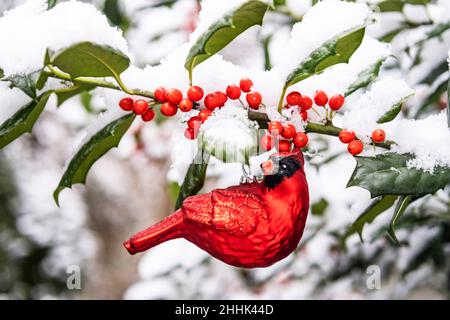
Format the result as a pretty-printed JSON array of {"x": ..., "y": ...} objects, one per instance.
[{"x": 284, "y": 166}]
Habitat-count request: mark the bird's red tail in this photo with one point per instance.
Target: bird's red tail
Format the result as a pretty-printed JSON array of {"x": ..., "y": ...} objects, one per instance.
[{"x": 167, "y": 229}]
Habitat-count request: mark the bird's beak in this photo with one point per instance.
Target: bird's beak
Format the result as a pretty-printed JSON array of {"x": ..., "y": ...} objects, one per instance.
[{"x": 268, "y": 168}]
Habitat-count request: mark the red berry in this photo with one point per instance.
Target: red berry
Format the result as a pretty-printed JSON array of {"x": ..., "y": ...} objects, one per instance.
[
  {"x": 246, "y": 84},
  {"x": 148, "y": 115},
  {"x": 304, "y": 115},
  {"x": 190, "y": 134},
  {"x": 321, "y": 98},
  {"x": 140, "y": 106},
  {"x": 275, "y": 127},
  {"x": 378, "y": 135},
  {"x": 355, "y": 147},
  {"x": 346, "y": 136},
  {"x": 233, "y": 92},
  {"x": 284, "y": 146},
  {"x": 195, "y": 93},
  {"x": 306, "y": 103},
  {"x": 294, "y": 98},
  {"x": 254, "y": 99},
  {"x": 212, "y": 101},
  {"x": 160, "y": 94},
  {"x": 288, "y": 131},
  {"x": 222, "y": 98},
  {"x": 186, "y": 105},
  {"x": 266, "y": 142},
  {"x": 300, "y": 140},
  {"x": 336, "y": 102},
  {"x": 174, "y": 96},
  {"x": 194, "y": 123},
  {"x": 204, "y": 114},
  {"x": 168, "y": 109},
  {"x": 126, "y": 104}
]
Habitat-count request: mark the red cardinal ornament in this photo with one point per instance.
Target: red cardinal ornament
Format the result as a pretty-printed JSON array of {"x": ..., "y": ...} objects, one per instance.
[{"x": 249, "y": 225}]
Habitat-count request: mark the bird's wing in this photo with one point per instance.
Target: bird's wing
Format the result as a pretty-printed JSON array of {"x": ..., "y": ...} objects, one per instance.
[{"x": 235, "y": 210}]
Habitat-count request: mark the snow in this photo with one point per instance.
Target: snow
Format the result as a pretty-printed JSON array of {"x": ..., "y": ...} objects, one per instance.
[
  {"x": 428, "y": 139},
  {"x": 158, "y": 31},
  {"x": 337, "y": 79},
  {"x": 363, "y": 115},
  {"x": 229, "y": 133},
  {"x": 345, "y": 16},
  {"x": 67, "y": 23},
  {"x": 211, "y": 12}
]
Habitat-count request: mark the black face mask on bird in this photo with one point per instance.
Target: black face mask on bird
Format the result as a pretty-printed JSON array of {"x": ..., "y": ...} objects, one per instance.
[{"x": 277, "y": 169}]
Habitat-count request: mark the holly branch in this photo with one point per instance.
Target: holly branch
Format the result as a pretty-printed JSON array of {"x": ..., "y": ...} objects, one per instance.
[
  {"x": 326, "y": 129},
  {"x": 52, "y": 72}
]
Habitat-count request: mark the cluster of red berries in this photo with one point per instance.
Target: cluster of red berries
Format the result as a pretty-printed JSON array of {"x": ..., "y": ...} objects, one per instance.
[
  {"x": 305, "y": 103},
  {"x": 217, "y": 100},
  {"x": 356, "y": 146},
  {"x": 139, "y": 107},
  {"x": 172, "y": 99},
  {"x": 283, "y": 137}
]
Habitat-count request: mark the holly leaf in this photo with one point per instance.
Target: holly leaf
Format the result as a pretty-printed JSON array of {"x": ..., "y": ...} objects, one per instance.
[
  {"x": 23, "y": 120},
  {"x": 91, "y": 60},
  {"x": 402, "y": 204},
  {"x": 51, "y": 4},
  {"x": 65, "y": 94},
  {"x": 222, "y": 32},
  {"x": 377, "y": 207},
  {"x": 195, "y": 177},
  {"x": 337, "y": 50},
  {"x": 393, "y": 112},
  {"x": 26, "y": 83},
  {"x": 397, "y": 5},
  {"x": 388, "y": 174},
  {"x": 100, "y": 143},
  {"x": 365, "y": 77}
]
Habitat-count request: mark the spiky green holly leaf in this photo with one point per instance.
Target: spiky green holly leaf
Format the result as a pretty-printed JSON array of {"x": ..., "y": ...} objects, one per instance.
[
  {"x": 222, "y": 32},
  {"x": 23, "y": 120},
  {"x": 337, "y": 50},
  {"x": 87, "y": 59},
  {"x": 389, "y": 174},
  {"x": 94, "y": 148}
]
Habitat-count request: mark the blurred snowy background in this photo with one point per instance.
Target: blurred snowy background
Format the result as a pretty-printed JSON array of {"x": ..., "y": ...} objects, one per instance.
[{"x": 136, "y": 184}]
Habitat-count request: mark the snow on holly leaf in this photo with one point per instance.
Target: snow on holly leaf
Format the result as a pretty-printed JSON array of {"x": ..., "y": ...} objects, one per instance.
[
  {"x": 60, "y": 27},
  {"x": 229, "y": 135},
  {"x": 391, "y": 174},
  {"x": 427, "y": 139}
]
